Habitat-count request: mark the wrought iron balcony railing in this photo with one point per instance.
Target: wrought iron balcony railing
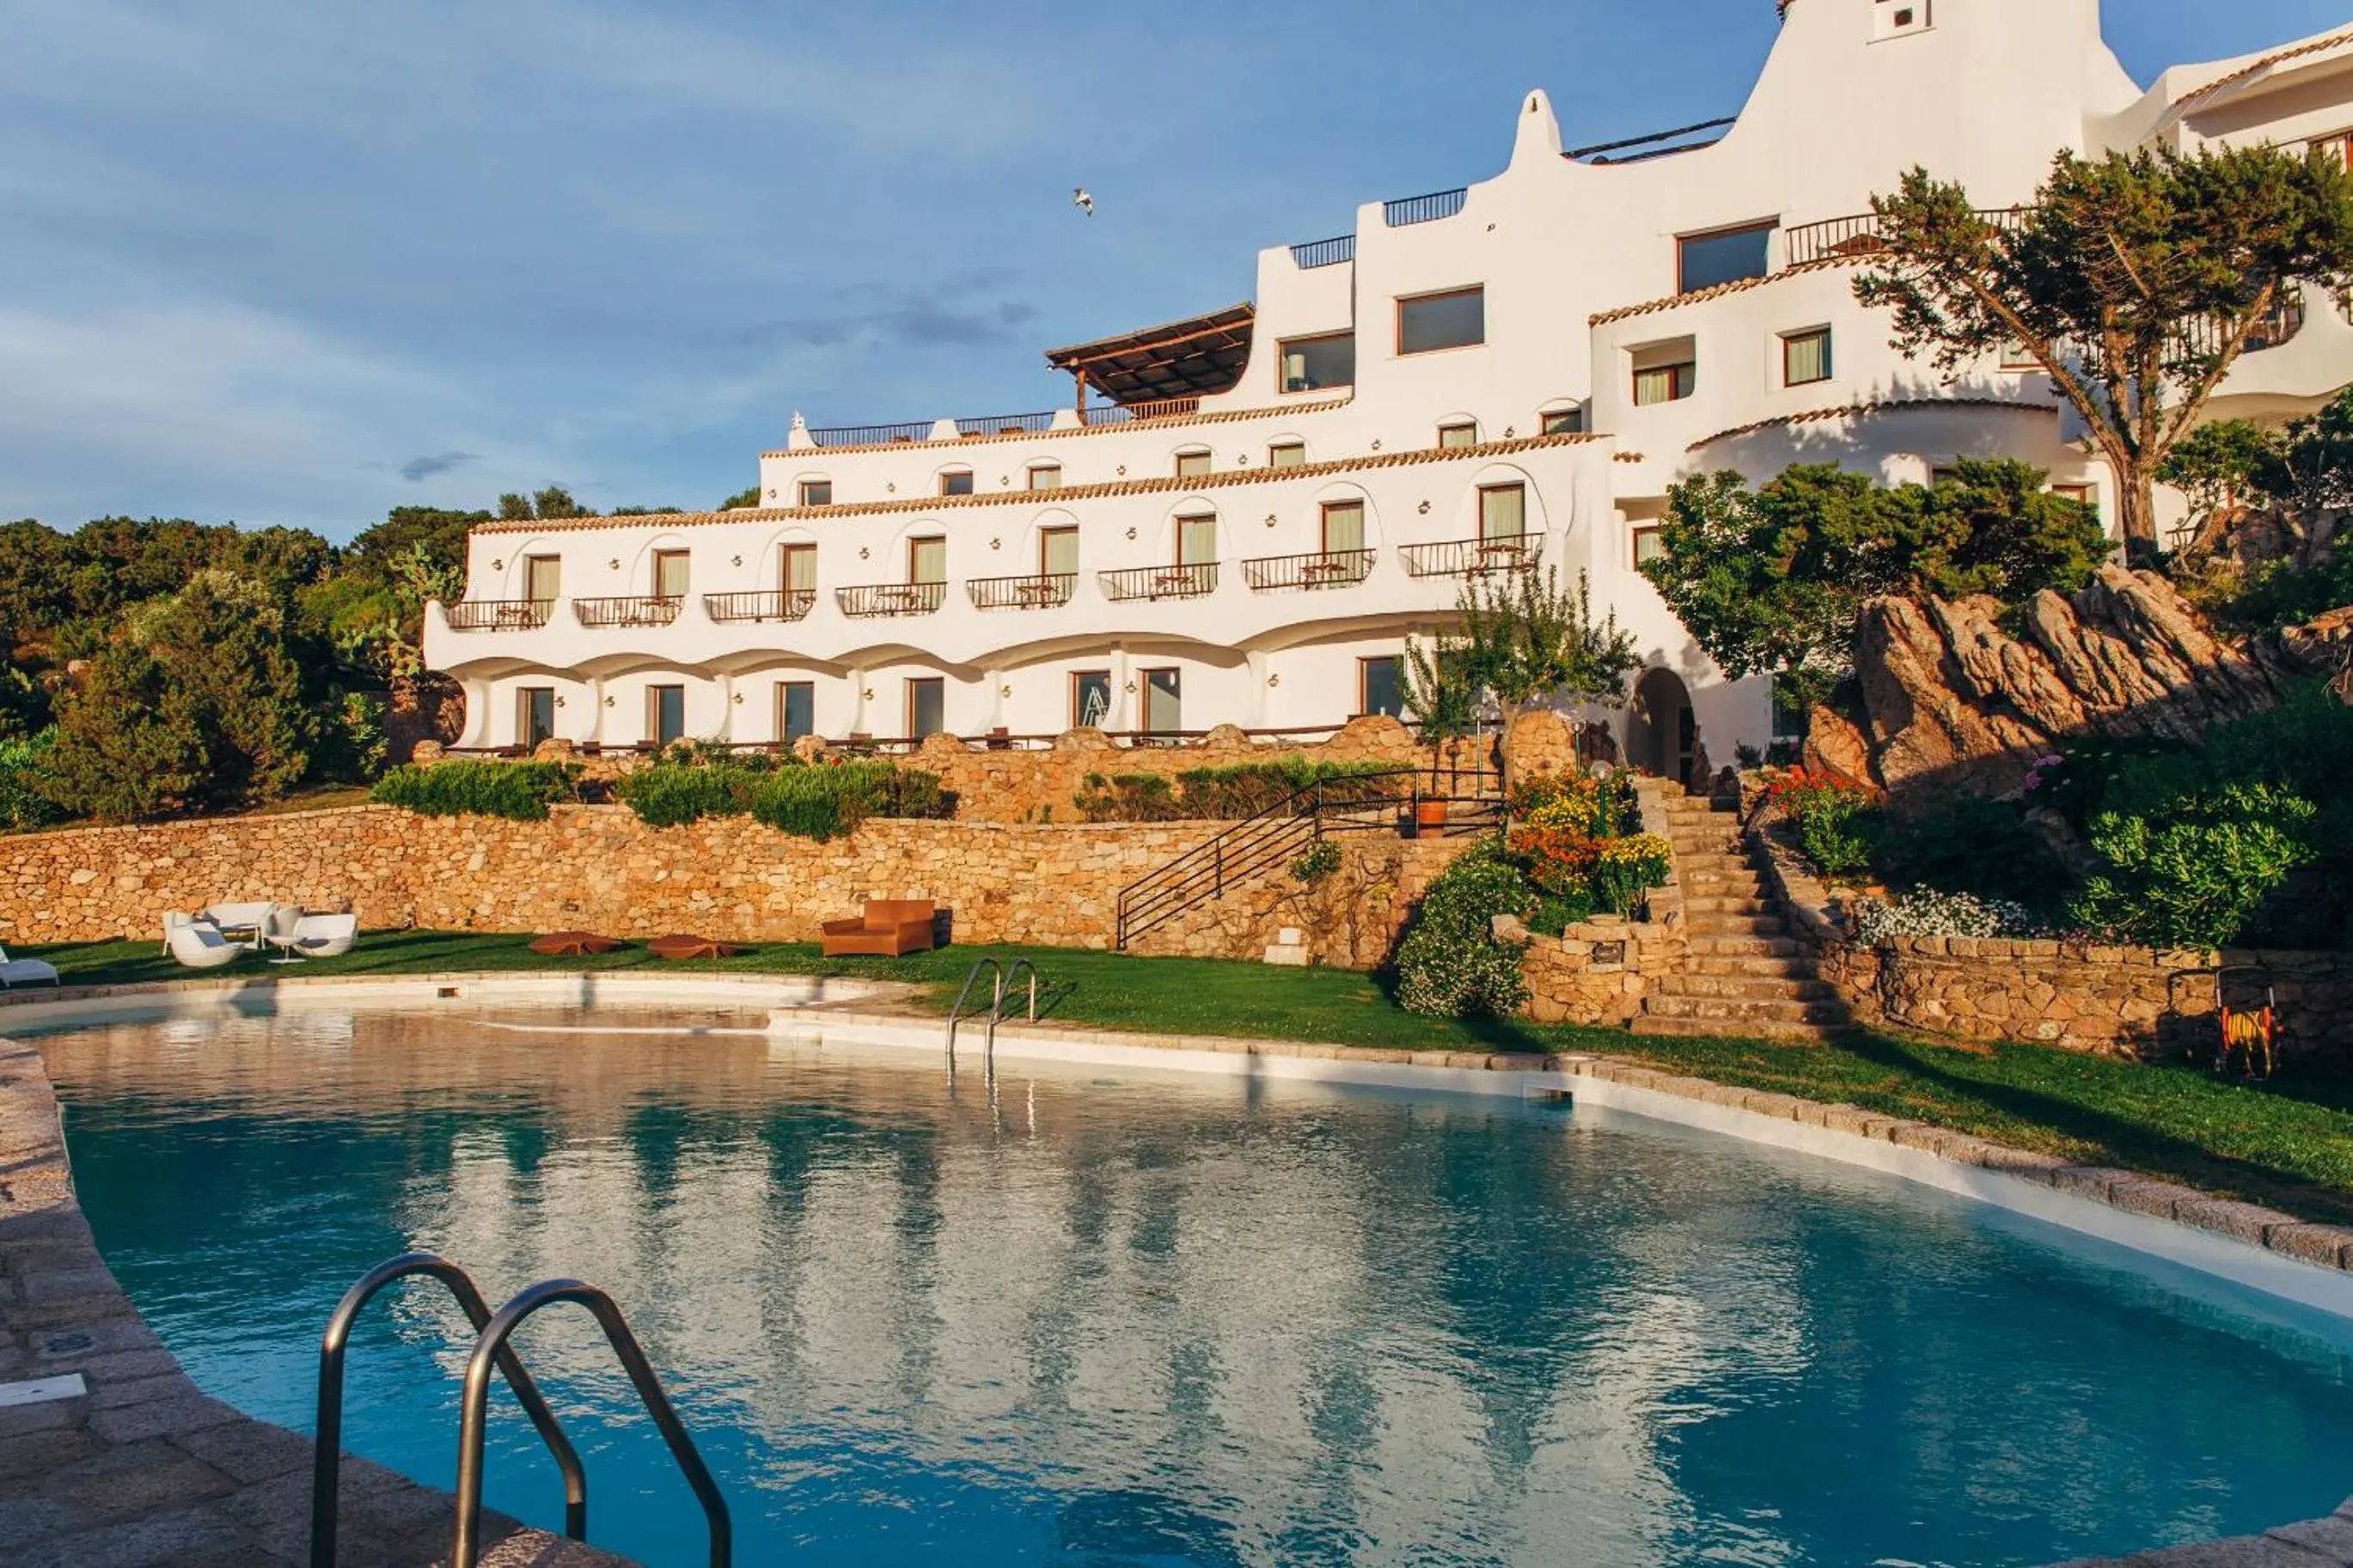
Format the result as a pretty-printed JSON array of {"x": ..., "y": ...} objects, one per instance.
[
  {"x": 1324, "y": 252},
  {"x": 628, "y": 610},
  {"x": 1191, "y": 580},
  {"x": 1472, "y": 557},
  {"x": 775, "y": 605},
  {"x": 872, "y": 435},
  {"x": 1044, "y": 590},
  {"x": 1859, "y": 235},
  {"x": 1424, "y": 209},
  {"x": 1326, "y": 569},
  {"x": 871, "y": 600},
  {"x": 500, "y": 615}
]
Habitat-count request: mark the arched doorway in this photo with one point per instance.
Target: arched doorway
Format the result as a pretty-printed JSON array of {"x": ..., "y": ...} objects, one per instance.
[{"x": 1662, "y": 734}]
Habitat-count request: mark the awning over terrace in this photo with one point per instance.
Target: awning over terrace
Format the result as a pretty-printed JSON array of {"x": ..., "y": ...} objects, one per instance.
[{"x": 1192, "y": 358}]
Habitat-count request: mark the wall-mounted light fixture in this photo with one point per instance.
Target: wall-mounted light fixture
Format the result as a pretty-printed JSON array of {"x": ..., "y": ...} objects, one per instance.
[
  {"x": 608, "y": 703},
  {"x": 1129, "y": 688},
  {"x": 1005, "y": 691},
  {"x": 890, "y": 489},
  {"x": 1270, "y": 520},
  {"x": 1131, "y": 534},
  {"x": 737, "y": 698},
  {"x": 735, "y": 561},
  {"x": 559, "y": 700},
  {"x": 867, "y": 695},
  {"x": 1274, "y": 680},
  {"x": 997, "y": 544},
  {"x": 498, "y": 565},
  {"x": 1424, "y": 509},
  {"x": 1377, "y": 446},
  {"x": 1123, "y": 469},
  {"x": 863, "y": 553},
  {"x": 613, "y": 565}
]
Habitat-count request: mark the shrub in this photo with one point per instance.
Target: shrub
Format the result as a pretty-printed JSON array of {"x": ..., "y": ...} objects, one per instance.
[
  {"x": 1318, "y": 864},
  {"x": 352, "y": 744},
  {"x": 671, "y": 793},
  {"x": 1836, "y": 821},
  {"x": 1223, "y": 793},
  {"x": 519, "y": 791},
  {"x": 827, "y": 802},
  {"x": 1450, "y": 964},
  {"x": 1627, "y": 868},
  {"x": 1127, "y": 797},
  {"x": 2196, "y": 875},
  {"x": 22, "y": 807},
  {"x": 1924, "y": 911},
  {"x": 1971, "y": 845},
  {"x": 1563, "y": 824}
]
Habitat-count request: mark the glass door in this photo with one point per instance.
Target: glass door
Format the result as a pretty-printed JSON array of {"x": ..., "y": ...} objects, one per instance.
[
  {"x": 536, "y": 715},
  {"x": 1163, "y": 701},
  {"x": 796, "y": 709},
  {"x": 665, "y": 714},
  {"x": 926, "y": 707}
]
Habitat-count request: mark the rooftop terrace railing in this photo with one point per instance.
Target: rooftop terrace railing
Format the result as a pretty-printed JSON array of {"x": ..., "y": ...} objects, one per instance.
[
  {"x": 872, "y": 434},
  {"x": 2205, "y": 338},
  {"x": 1129, "y": 413},
  {"x": 500, "y": 615},
  {"x": 1005, "y": 424},
  {"x": 1324, "y": 252},
  {"x": 1424, "y": 209}
]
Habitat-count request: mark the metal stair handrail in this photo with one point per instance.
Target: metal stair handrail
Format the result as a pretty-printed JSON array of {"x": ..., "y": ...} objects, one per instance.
[
  {"x": 326, "y": 1462},
  {"x": 491, "y": 1347}
]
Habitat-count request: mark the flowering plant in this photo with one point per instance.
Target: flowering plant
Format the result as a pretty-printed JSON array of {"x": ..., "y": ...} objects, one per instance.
[
  {"x": 1924, "y": 911},
  {"x": 1836, "y": 819},
  {"x": 1626, "y": 868}
]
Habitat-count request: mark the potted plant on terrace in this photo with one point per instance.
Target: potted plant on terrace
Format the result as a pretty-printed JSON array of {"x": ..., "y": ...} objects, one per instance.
[{"x": 1441, "y": 692}]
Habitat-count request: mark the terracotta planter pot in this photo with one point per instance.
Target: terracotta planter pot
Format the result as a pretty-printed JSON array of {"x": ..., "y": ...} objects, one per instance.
[{"x": 1430, "y": 813}]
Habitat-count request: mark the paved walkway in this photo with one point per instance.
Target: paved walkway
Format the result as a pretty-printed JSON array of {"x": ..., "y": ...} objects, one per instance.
[{"x": 138, "y": 1467}]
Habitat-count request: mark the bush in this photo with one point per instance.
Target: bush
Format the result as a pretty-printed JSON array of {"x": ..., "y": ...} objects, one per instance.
[
  {"x": 1225, "y": 793},
  {"x": 1970, "y": 844},
  {"x": 1924, "y": 911},
  {"x": 827, "y": 802},
  {"x": 519, "y": 791},
  {"x": 2196, "y": 875},
  {"x": 1563, "y": 825},
  {"x": 1837, "y": 821},
  {"x": 352, "y": 744},
  {"x": 1127, "y": 797},
  {"x": 22, "y": 807},
  {"x": 1628, "y": 869},
  {"x": 1450, "y": 964},
  {"x": 1318, "y": 864},
  {"x": 672, "y": 794}
]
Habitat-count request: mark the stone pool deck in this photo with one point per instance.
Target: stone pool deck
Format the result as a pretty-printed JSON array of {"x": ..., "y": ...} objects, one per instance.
[{"x": 138, "y": 1467}]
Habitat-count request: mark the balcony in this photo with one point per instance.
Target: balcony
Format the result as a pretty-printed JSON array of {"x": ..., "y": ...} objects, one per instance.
[
  {"x": 776, "y": 604},
  {"x": 1326, "y": 569},
  {"x": 1132, "y": 413},
  {"x": 874, "y": 600},
  {"x": 1473, "y": 557},
  {"x": 1324, "y": 252},
  {"x": 631, "y": 610},
  {"x": 1006, "y": 424},
  {"x": 1192, "y": 581},
  {"x": 500, "y": 615},
  {"x": 2203, "y": 340},
  {"x": 1859, "y": 236},
  {"x": 872, "y": 435},
  {"x": 1424, "y": 209},
  {"x": 1043, "y": 591}
]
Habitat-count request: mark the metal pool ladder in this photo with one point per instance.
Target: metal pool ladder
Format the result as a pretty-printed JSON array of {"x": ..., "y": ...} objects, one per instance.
[
  {"x": 492, "y": 1331},
  {"x": 998, "y": 991}
]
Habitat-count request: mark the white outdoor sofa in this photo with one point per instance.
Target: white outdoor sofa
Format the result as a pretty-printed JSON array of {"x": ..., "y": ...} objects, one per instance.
[{"x": 17, "y": 972}]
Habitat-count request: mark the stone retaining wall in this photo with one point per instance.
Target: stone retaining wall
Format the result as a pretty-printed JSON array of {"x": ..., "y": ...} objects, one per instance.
[
  {"x": 1600, "y": 971},
  {"x": 600, "y": 867}
]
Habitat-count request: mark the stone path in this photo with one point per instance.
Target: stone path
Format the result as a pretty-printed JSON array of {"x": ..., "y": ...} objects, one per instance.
[
  {"x": 2315, "y": 1544},
  {"x": 140, "y": 1468}
]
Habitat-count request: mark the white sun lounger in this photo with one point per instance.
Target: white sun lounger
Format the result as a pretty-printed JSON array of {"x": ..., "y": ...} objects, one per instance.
[{"x": 26, "y": 971}]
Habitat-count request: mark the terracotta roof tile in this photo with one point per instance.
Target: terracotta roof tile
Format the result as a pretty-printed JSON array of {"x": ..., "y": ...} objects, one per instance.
[
  {"x": 1867, "y": 410},
  {"x": 1214, "y": 416},
  {"x": 2189, "y": 101},
  {"x": 1738, "y": 286},
  {"x": 1222, "y": 478}
]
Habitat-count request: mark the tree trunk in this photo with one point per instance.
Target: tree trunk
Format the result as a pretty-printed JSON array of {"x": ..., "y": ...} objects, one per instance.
[{"x": 2138, "y": 493}]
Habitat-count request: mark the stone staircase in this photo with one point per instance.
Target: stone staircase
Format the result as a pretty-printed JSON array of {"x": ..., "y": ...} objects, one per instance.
[{"x": 1743, "y": 975}]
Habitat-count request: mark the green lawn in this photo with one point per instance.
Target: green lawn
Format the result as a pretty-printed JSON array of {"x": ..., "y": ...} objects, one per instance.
[{"x": 2290, "y": 1145}]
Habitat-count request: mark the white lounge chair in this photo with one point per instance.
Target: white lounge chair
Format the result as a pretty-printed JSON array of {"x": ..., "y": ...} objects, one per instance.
[
  {"x": 248, "y": 915},
  {"x": 172, "y": 921},
  {"x": 326, "y": 936},
  {"x": 200, "y": 945},
  {"x": 277, "y": 930},
  {"x": 26, "y": 971}
]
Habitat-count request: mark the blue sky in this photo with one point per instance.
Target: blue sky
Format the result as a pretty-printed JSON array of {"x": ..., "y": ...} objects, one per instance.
[{"x": 301, "y": 260}]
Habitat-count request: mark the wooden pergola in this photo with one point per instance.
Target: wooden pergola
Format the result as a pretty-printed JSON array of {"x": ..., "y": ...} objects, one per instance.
[{"x": 1192, "y": 358}]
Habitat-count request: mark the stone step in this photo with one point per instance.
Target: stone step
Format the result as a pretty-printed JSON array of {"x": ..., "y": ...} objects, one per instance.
[
  {"x": 1696, "y": 902},
  {"x": 1719, "y": 963},
  {"x": 1711, "y": 861},
  {"x": 1707, "y": 924},
  {"x": 1721, "y": 946},
  {"x": 1751, "y": 1009},
  {"x": 1763, "y": 987},
  {"x": 1735, "y": 1028},
  {"x": 1708, "y": 887}
]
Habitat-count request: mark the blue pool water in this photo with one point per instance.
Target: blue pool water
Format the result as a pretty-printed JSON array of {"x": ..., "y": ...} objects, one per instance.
[{"x": 1133, "y": 1320}]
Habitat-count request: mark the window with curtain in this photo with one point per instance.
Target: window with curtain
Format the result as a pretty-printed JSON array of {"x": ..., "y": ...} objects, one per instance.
[
  {"x": 1344, "y": 526},
  {"x": 1197, "y": 540},
  {"x": 1452, "y": 436},
  {"x": 1663, "y": 384},
  {"x": 799, "y": 571},
  {"x": 542, "y": 578},
  {"x": 1164, "y": 708},
  {"x": 1058, "y": 552},
  {"x": 1503, "y": 512},
  {"x": 1564, "y": 422},
  {"x": 817, "y": 492},
  {"x": 796, "y": 709},
  {"x": 1805, "y": 357},
  {"x": 927, "y": 560},
  {"x": 1192, "y": 465},
  {"x": 1045, "y": 476},
  {"x": 1647, "y": 546},
  {"x": 1287, "y": 455},
  {"x": 670, "y": 573},
  {"x": 1454, "y": 319}
]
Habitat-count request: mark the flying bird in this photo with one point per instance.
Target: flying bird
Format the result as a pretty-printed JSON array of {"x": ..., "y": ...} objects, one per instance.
[{"x": 1083, "y": 201}]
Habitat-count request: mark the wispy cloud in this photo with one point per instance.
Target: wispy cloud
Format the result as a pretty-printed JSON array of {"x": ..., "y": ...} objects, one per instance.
[{"x": 417, "y": 469}]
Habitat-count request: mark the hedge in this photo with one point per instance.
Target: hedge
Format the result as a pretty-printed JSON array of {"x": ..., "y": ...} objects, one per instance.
[
  {"x": 519, "y": 791},
  {"x": 817, "y": 803}
]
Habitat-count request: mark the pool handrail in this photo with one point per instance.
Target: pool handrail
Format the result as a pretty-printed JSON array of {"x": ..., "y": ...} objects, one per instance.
[
  {"x": 491, "y": 1347},
  {"x": 996, "y": 999},
  {"x": 326, "y": 1461},
  {"x": 1005, "y": 989}
]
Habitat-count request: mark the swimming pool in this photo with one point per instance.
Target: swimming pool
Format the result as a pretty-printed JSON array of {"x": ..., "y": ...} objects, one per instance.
[{"x": 1140, "y": 1319}]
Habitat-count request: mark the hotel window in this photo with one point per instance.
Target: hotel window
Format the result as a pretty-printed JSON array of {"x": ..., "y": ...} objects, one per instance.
[
  {"x": 1665, "y": 372},
  {"x": 1805, "y": 357},
  {"x": 926, "y": 706},
  {"x": 670, "y": 573},
  {"x": 1503, "y": 512},
  {"x": 927, "y": 560},
  {"x": 665, "y": 714},
  {"x": 1192, "y": 465},
  {"x": 542, "y": 578},
  {"x": 1164, "y": 706},
  {"x": 1311, "y": 364},
  {"x": 1564, "y": 421},
  {"x": 2087, "y": 496},
  {"x": 1344, "y": 526},
  {"x": 1058, "y": 552},
  {"x": 1462, "y": 433},
  {"x": 1454, "y": 319},
  {"x": 796, "y": 709},
  {"x": 1197, "y": 538},
  {"x": 534, "y": 715},
  {"x": 817, "y": 492},
  {"x": 1722, "y": 256},
  {"x": 1287, "y": 455},
  {"x": 797, "y": 573},
  {"x": 2338, "y": 146},
  {"x": 2015, "y": 357},
  {"x": 1893, "y": 18},
  {"x": 1647, "y": 547},
  {"x": 956, "y": 482},
  {"x": 1380, "y": 685},
  {"x": 1090, "y": 699},
  {"x": 1045, "y": 476}
]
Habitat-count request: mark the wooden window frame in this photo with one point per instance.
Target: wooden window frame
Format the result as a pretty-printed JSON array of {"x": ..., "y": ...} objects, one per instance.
[
  {"x": 1807, "y": 335},
  {"x": 950, "y": 475},
  {"x": 523, "y": 695},
  {"x": 1037, "y": 469},
  {"x": 1202, "y": 455},
  {"x": 1143, "y": 694},
  {"x": 1686, "y": 382},
  {"x": 1397, "y": 319},
  {"x": 653, "y": 713},
  {"x": 1275, "y": 447},
  {"x": 1486, "y": 490},
  {"x": 659, "y": 556},
  {"x": 786, "y": 553},
  {"x": 1451, "y": 426},
  {"x": 914, "y": 683},
  {"x": 529, "y": 561},
  {"x": 1634, "y": 543},
  {"x": 1282, "y": 347},
  {"x": 2339, "y": 142},
  {"x": 1045, "y": 538},
  {"x": 1182, "y": 519},
  {"x": 804, "y": 487},
  {"x": 1546, "y": 416},
  {"x": 1078, "y": 708},
  {"x": 916, "y": 542},
  {"x": 1767, "y": 226},
  {"x": 782, "y": 718},
  {"x": 1364, "y": 661},
  {"x": 1323, "y": 523}
]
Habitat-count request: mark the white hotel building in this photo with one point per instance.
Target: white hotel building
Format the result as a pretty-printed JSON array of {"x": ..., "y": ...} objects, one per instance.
[{"x": 1241, "y": 518}]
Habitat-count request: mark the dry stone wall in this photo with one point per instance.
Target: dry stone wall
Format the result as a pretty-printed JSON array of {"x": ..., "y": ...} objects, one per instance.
[{"x": 600, "y": 867}]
